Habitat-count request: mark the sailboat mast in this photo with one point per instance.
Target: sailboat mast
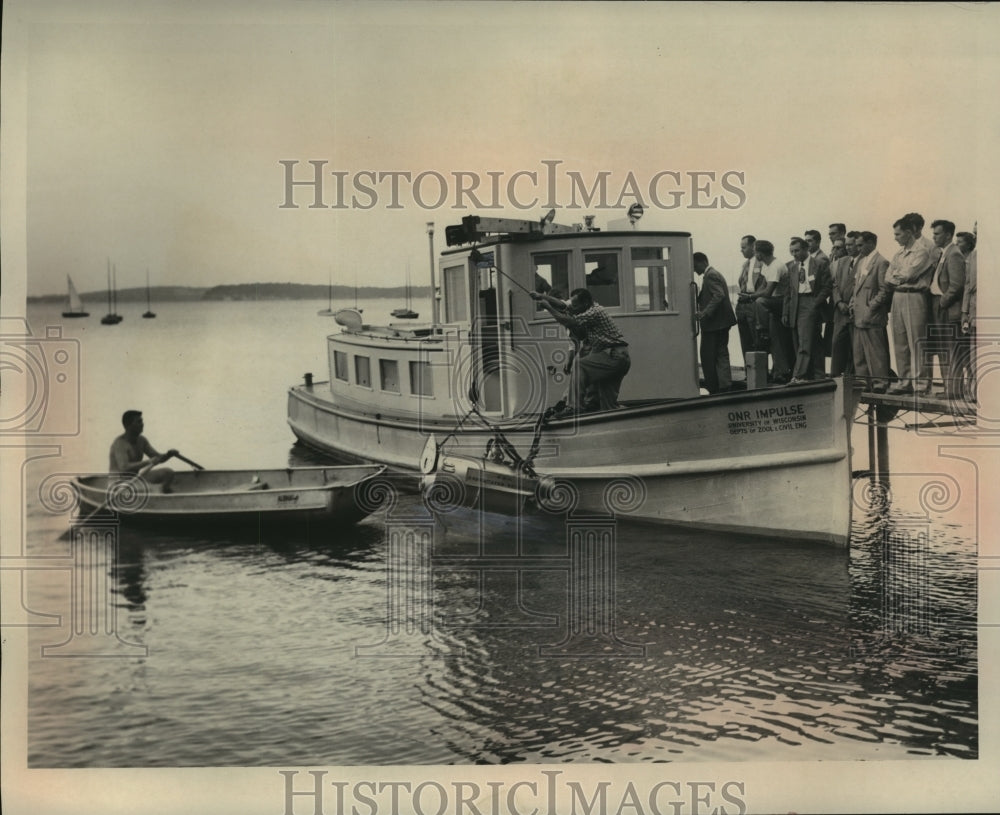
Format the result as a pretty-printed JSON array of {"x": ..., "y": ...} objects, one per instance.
[{"x": 109, "y": 286}]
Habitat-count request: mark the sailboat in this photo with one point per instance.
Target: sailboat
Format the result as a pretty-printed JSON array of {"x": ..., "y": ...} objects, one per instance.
[
  {"x": 74, "y": 305},
  {"x": 112, "y": 317},
  {"x": 328, "y": 311},
  {"x": 148, "y": 313},
  {"x": 406, "y": 313}
]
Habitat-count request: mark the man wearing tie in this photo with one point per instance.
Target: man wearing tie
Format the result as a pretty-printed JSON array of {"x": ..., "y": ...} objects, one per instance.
[
  {"x": 842, "y": 270},
  {"x": 809, "y": 286},
  {"x": 947, "y": 288},
  {"x": 870, "y": 314},
  {"x": 751, "y": 281}
]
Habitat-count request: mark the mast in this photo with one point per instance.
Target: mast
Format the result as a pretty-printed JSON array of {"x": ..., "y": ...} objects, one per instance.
[
  {"x": 434, "y": 300},
  {"x": 149, "y": 314}
]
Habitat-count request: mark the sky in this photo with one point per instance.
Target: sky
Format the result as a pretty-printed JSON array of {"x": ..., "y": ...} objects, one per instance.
[{"x": 156, "y": 132}]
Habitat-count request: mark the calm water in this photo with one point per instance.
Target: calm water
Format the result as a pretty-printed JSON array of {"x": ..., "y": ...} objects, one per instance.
[{"x": 264, "y": 649}]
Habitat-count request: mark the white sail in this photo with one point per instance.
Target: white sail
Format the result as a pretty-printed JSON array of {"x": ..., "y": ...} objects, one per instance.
[{"x": 74, "y": 302}]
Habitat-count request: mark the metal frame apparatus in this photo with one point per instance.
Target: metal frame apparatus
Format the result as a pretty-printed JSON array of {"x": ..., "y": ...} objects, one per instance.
[{"x": 882, "y": 412}]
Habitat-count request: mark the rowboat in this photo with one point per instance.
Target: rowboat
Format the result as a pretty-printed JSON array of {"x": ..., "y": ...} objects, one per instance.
[
  {"x": 330, "y": 494},
  {"x": 469, "y": 399}
]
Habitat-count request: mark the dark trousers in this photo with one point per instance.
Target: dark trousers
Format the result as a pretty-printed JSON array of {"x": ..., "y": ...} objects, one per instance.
[
  {"x": 715, "y": 360},
  {"x": 841, "y": 345},
  {"x": 780, "y": 345},
  {"x": 871, "y": 355},
  {"x": 603, "y": 372},
  {"x": 807, "y": 335},
  {"x": 965, "y": 367},
  {"x": 746, "y": 321},
  {"x": 944, "y": 339}
]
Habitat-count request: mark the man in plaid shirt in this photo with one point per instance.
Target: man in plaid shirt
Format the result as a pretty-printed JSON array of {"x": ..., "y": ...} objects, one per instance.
[{"x": 605, "y": 365}]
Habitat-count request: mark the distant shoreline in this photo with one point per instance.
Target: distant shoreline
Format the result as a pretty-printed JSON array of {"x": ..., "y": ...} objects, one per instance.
[{"x": 242, "y": 291}]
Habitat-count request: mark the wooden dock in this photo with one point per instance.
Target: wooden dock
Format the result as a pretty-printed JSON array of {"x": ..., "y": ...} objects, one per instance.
[{"x": 882, "y": 412}]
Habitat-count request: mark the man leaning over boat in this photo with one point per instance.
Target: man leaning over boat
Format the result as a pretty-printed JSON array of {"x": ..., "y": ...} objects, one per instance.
[
  {"x": 605, "y": 365},
  {"x": 129, "y": 451}
]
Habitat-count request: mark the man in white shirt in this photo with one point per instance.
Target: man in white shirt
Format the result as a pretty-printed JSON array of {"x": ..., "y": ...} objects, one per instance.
[
  {"x": 772, "y": 335},
  {"x": 750, "y": 282},
  {"x": 909, "y": 277}
]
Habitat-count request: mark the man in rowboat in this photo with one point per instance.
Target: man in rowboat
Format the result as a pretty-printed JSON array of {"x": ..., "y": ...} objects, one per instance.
[{"x": 129, "y": 450}]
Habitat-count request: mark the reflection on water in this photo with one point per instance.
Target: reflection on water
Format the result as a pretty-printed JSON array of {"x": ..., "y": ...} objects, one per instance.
[{"x": 514, "y": 647}]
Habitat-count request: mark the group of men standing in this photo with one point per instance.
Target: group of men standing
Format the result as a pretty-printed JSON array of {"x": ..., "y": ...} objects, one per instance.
[{"x": 847, "y": 306}]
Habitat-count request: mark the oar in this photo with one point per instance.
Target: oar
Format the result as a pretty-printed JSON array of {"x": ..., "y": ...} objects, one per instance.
[{"x": 186, "y": 460}]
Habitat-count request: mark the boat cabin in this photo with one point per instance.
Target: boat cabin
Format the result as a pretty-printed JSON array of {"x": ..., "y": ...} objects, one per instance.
[{"x": 495, "y": 346}]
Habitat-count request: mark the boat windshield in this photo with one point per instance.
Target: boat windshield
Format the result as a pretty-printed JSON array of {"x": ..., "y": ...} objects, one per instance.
[
  {"x": 602, "y": 277},
  {"x": 552, "y": 274}
]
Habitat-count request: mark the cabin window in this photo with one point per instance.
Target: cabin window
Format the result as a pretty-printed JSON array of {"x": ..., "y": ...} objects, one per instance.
[
  {"x": 340, "y": 366},
  {"x": 456, "y": 295},
  {"x": 602, "y": 277},
  {"x": 552, "y": 275},
  {"x": 389, "y": 375},
  {"x": 649, "y": 265},
  {"x": 362, "y": 372},
  {"x": 421, "y": 383}
]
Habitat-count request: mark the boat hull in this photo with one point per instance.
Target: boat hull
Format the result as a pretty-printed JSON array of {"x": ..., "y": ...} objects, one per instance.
[
  {"x": 310, "y": 494},
  {"x": 772, "y": 462}
]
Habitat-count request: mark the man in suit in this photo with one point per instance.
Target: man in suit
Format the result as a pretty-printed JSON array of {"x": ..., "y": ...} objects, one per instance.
[
  {"x": 769, "y": 301},
  {"x": 809, "y": 286},
  {"x": 751, "y": 281},
  {"x": 947, "y": 288},
  {"x": 967, "y": 349},
  {"x": 814, "y": 239},
  {"x": 715, "y": 313},
  {"x": 909, "y": 277},
  {"x": 869, "y": 309},
  {"x": 842, "y": 271}
]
